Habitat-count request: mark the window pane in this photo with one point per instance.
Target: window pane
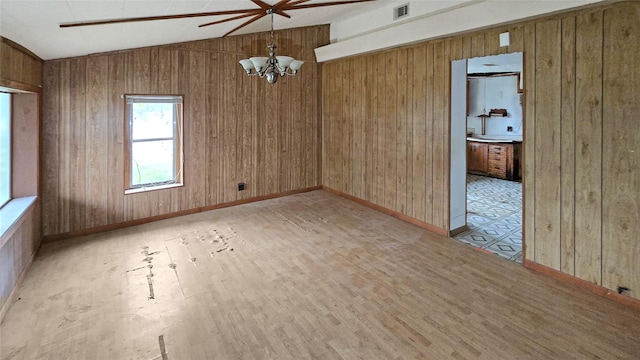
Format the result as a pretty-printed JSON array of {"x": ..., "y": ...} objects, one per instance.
[
  {"x": 152, "y": 121},
  {"x": 5, "y": 148},
  {"x": 152, "y": 162}
]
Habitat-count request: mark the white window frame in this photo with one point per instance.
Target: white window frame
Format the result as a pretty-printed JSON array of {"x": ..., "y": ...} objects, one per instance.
[
  {"x": 9, "y": 155},
  {"x": 178, "y": 160}
]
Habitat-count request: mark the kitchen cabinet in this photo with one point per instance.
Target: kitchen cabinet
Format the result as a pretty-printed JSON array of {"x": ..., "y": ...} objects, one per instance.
[
  {"x": 500, "y": 160},
  {"x": 477, "y": 157}
]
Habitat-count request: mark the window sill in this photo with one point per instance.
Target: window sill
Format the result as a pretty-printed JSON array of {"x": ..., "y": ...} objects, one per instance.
[
  {"x": 151, "y": 188},
  {"x": 12, "y": 212}
]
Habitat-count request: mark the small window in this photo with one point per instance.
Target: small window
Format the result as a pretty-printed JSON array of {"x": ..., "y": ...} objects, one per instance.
[
  {"x": 153, "y": 142},
  {"x": 5, "y": 148}
]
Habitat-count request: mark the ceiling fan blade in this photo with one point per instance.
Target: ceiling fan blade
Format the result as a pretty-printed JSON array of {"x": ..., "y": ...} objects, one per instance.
[
  {"x": 262, "y": 4},
  {"x": 296, "y": 5},
  {"x": 256, "y": 17},
  {"x": 281, "y": 3},
  {"x": 282, "y": 13},
  {"x": 152, "y": 18},
  {"x": 276, "y": 8},
  {"x": 232, "y": 18}
]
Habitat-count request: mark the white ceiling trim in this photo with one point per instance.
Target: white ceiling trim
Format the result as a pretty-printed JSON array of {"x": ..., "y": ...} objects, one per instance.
[{"x": 475, "y": 15}]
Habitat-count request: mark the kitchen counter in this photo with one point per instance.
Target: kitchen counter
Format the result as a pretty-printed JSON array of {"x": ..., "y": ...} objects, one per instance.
[
  {"x": 494, "y": 157},
  {"x": 492, "y": 140}
]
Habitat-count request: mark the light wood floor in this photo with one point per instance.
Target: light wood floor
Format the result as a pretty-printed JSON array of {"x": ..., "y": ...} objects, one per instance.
[{"x": 306, "y": 276}]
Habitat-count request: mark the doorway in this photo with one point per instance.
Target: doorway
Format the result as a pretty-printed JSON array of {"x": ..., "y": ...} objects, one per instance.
[{"x": 487, "y": 119}]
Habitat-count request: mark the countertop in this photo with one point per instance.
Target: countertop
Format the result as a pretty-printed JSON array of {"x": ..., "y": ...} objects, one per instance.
[{"x": 493, "y": 140}]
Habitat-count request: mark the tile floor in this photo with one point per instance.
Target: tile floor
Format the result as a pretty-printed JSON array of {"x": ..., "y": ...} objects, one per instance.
[{"x": 494, "y": 216}]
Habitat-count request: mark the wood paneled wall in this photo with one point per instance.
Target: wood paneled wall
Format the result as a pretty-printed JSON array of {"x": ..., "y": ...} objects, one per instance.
[
  {"x": 19, "y": 68},
  {"x": 386, "y": 135},
  {"x": 386, "y": 131},
  {"x": 237, "y": 128},
  {"x": 17, "y": 249}
]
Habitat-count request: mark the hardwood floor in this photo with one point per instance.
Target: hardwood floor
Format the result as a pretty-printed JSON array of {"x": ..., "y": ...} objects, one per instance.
[{"x": 311, "y": 275}]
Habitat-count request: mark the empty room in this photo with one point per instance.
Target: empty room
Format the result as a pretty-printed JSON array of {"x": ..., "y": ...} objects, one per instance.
[{"x": 265, "y": 179}]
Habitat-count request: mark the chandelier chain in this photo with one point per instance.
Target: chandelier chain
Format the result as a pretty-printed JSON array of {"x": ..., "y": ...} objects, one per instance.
[{"x": 272, "y": 41}]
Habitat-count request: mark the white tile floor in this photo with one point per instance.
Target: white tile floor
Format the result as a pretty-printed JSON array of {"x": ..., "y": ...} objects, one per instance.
[{"x": 494, "y": 216}]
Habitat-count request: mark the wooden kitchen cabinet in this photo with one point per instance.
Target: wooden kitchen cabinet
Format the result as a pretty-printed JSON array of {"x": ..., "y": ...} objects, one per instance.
[
  {"x": 500, "y": 160},
  {"x": 477, "y": 157}
]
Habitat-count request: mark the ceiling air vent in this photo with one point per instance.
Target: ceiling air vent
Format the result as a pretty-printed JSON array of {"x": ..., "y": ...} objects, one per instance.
[{"x": 401, "y": 12}]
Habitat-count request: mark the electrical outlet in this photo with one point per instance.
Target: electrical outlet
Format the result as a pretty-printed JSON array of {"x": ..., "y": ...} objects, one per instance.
[
  {"x": 509, "y": 128},
  {"x": 240, "y": 186}
]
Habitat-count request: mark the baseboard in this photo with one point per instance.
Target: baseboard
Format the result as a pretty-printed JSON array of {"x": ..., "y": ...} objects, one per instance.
[
  {"x": 18, "y": 284},
  {"x": 589, "y": 286},
  {"x": 459, "y": 230},
  {"x": 99, "y": 229},
  {"x": 401, "y": 216}
]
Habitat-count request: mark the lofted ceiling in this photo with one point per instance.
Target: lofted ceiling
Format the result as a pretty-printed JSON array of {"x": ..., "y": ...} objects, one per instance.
[{"x": 34, "y": 24}]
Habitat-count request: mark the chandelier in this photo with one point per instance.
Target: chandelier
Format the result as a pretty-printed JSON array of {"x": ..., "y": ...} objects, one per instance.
[{"x": 273, "y": 66}]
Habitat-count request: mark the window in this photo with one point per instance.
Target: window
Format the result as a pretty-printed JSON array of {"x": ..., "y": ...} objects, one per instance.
[
  {"x": 5, "y": 148},
  {"x": 153, "y": 142}
]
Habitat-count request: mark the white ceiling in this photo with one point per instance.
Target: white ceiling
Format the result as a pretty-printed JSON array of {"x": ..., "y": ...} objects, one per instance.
[
  {"x": 355, "y": 28},
  {"x": 34, "y": 24}
]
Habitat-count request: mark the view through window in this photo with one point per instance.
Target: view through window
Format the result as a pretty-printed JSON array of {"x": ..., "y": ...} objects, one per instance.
[
  {"x": 5, "y": 148},
  {"x": 154, "y": 141}
]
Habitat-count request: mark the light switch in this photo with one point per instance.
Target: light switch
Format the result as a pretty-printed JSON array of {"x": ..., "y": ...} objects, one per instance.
[{"x": 504, "y": 39}]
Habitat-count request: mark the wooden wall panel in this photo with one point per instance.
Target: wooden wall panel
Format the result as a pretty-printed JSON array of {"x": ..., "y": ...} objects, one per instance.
[
  {"x": 359, "y": 129},
  {"x": 389, "y": 112},
  {"x": 381, "y": 120},
  {"x": 236, "y": 128},
  {"x": 19, "y": 68},
  {"x": 194, "y": 132},
  {"x": 370, "y": 124},
  {"x": 213, "y": 130},
  {"x": 529, "y": 144},
  {"x": 95, "y": 168},
  {"x": 588, "y": 155},
  {"x": 621, "y": 139},
  {"x": 18, "y": 247},
  {"x": 50, "y": 134},
  {"x": 418, "y": 181},
  {"x": 547, "y": 142},
  {"x": 401, "y": 150},
  {"x": 429, "y": 138},
  {"x": 77, "y": 154},
  {"x": 245, "y": 128},
  {"x": 440, "y": 132},
  {"x": 115, "y": 112},
  {"x": 408, "y": 142},
  {"x": 567, "y": 151},
  {"x": 345, "y": 174},
  {"x": 25, "y": 136},
  {"x": 580, "y": 164}
]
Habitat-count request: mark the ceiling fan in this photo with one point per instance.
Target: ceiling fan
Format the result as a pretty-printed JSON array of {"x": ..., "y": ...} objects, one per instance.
[{"x": 281, "y": 8}]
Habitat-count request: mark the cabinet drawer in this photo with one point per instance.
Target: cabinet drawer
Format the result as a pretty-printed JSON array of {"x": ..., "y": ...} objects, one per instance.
[
  {"x": 496, "y": 161},
  {"x": 497, "y": 149},
  {"x": 497, "y": 158},
  {"x": 498, "y": 171},
  {"x": 497, "y": 166}
]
